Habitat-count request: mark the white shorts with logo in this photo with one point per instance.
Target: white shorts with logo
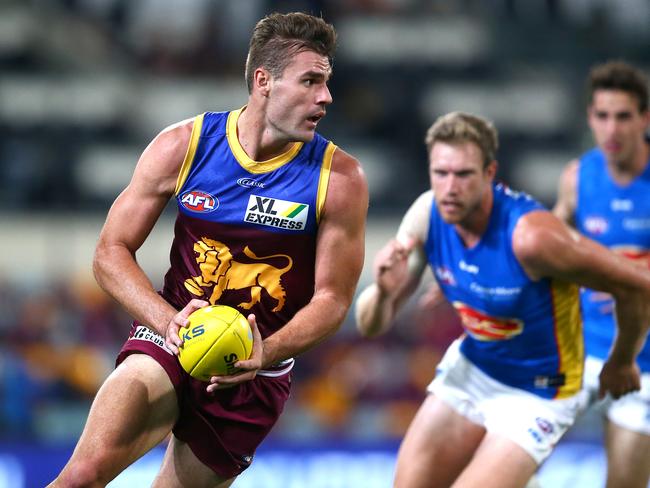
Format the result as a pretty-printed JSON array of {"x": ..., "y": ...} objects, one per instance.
[
  {"x": 631, "y": 411},
  {"x": 534, "y": 423}
]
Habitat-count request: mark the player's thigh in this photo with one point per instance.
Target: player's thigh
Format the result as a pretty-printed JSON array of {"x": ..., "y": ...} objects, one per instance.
[
  {"x": 498, "y": 463},
  {"x": 439, "y": 443},
  {"x": 628, "y": 457},
  {"x": 181, "y": 468},
  {"x": 133, "y": 411}
]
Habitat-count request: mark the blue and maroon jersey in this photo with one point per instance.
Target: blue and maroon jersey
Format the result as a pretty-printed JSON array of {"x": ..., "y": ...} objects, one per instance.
[
  {"x": 245, "y": 234},
  {"x": 526, "y": 334},
  {"x": 618, "y": 217}
]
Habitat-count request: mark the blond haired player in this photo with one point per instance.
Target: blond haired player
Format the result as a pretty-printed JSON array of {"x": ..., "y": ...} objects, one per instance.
[{"x": 507, "y": 391}]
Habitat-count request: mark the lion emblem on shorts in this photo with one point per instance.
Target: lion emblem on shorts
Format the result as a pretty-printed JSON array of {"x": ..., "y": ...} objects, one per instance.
[{"x": 220, "y": 270}]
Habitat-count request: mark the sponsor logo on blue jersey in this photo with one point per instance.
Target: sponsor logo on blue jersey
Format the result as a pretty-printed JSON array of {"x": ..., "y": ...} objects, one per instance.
[
  {"x": 621, "y": 205},
  {"x": 469, "y": 268},
  {"x": 484, "y": 327},
  {"x": 636, "y": 225}
]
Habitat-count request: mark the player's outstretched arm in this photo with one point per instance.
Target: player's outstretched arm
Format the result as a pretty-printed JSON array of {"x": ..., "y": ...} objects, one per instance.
[
  {"x": 129, "y": 222},
  {"x": 397, "y": 270},
  {"x": 547, "y": 248},
  {"x": 339, "y": 260},
  {"x": 394, "y": 283},
  {"x": 565, "y": 206}
]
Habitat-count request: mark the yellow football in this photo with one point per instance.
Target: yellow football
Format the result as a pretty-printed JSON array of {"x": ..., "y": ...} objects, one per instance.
[{"x": 215, "y": 338}]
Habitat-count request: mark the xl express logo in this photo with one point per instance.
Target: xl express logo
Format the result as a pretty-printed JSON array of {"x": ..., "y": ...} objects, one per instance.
[
  {"x": 282, "y": 214},
  {"x": 199, "y": 201}
]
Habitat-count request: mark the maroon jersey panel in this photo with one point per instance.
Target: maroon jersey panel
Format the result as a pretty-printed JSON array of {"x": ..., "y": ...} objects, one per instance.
[{"x": 268, "y": 274}]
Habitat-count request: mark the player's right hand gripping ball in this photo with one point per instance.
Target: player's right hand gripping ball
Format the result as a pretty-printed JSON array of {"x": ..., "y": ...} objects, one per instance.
[{"x": 215, "y": 338}]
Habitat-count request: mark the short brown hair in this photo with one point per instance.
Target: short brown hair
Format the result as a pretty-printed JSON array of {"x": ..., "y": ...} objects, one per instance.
[
  {"x": 277, "y": 37},
  {"x": 458, "y": 127},
  {"x": 618, "y": 75}
]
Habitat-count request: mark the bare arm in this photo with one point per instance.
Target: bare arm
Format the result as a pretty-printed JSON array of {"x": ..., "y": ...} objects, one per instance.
[
  {"x": 547, "y": 248},
  {"x": 567, "y": 194},
  {"x": 379, "y": 303},
  {"x": 397, "y": 268},
  {"x": 129, "y": 222}
]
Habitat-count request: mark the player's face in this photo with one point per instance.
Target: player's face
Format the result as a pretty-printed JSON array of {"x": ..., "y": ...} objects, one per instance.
[
  {"x": 298, "y": 98},
  {"x": 458, "y": 179},
  {"x": 617, "y": 124}
]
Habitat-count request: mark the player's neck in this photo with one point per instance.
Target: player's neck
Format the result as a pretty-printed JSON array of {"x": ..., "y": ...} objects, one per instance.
[
  {"x": 256, "y": 138},
  {"x": 623, "y": 172}
]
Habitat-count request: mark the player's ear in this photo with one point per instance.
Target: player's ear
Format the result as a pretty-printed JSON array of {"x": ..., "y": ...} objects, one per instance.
[
  {"x": 590, "y": 113},
  {"x": 491, "y": 168},
  {"x": 646, "y": 119},
  {"x": 262, "y": 81}
]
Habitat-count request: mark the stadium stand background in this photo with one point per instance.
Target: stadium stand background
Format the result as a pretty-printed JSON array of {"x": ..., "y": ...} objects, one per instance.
[{"x": 85, "y": 84}]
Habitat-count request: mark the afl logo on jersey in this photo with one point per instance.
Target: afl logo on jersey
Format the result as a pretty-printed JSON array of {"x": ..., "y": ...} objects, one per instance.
[
  {"x": 596, "y": 225},
  {"x": 444, "y": 275},
  {"x": 199, "y": 201}
]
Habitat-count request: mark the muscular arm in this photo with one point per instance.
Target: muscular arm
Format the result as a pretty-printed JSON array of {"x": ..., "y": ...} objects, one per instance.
[
  {"x": 339, "y": 260},
  {"x": 129, "y": 222},
  {"x": 547, "y": 248},
  {"x": 398, "y": 268},
  {"x": 567, "y": 194}
]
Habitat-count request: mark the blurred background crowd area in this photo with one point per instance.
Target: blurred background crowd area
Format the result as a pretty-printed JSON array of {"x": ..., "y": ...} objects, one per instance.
[{"x": 85, "y": 84}]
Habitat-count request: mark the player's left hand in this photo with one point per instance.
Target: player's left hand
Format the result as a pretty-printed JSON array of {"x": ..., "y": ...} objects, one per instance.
[
  {"x": 247, "y": 369},
  {"x": 619, "y": 379}
]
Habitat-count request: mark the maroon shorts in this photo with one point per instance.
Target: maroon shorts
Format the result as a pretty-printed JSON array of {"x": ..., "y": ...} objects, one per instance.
[{"x": 223, "y": 430}]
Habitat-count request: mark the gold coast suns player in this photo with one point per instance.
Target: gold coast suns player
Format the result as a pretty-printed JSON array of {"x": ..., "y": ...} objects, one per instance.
[
  {"x": 604, "y": 193},
  {"x": 506, "y": 391}
]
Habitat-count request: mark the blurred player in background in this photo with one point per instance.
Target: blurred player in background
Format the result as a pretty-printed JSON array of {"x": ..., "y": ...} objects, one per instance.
[
  {"x": 605, "y": 194},
  {"x": 508, "y": 390},
  {"x": 271, "y": 221}
]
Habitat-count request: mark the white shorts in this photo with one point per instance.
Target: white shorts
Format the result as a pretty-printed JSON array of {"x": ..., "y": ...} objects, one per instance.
[
  {"x": 631, "y": 411},
  {"x": 532, "y": 422}
]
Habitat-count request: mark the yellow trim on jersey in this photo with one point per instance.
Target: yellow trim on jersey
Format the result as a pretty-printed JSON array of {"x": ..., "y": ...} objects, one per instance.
[
  {"x": 250, "y": 165},
  {"x": 568, "y": 333},
  {"x": 324, "y": 179},
  {"x": 191, "y": 152}
]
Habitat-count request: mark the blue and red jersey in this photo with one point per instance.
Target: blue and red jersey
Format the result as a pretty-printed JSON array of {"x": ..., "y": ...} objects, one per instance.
[
  {"x": 618, "y": 217},
  {"x": 526, "y": 334}
]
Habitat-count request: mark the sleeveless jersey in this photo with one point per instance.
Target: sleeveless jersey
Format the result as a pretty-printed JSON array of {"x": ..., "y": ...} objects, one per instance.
[
  {"x": 618, "y": 217},
  {"x": 526, "y": 334},
  {"x": 245, "y": 233}
]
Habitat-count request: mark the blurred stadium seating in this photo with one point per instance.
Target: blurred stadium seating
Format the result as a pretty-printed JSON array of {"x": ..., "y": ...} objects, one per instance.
[{"x": 85, "y": 84}]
